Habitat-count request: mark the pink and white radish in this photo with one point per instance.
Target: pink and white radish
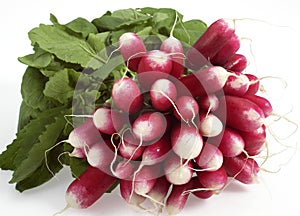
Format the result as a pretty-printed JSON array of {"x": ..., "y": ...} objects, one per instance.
[
  {"x": 88, "y": 188},
  {"x": 127, "y": 96},
  {"x": 210, "y": 158},
  {"x": 186, "y": 141},
  {"x": 160, "y": 190},
  {"x": 199, "y": 190},
  {"x": 209, "y": 103},
  {"x": 242, "y": 168},
  {"x": 129, "y": 195},
  {"x": 209, "y": 125},
  {"x": 237, "y": 63},
  {"x": 210, "y": 43},
  {"x": 177, "y": 171},
  {"x": 132, "y": 48},
  {"x": 186, "y": 109},
  {"x": 240, "y": 113},
  {"x": 236, "y": 84},
  {"x": 262, "y": 102},
  {"x": 204, "y": 82},
  {"x": 162, "y": 93},
  {"x": 149, "y": 126},
  {"x": 254, "y": 84},
  {"x": 214, "y": 180}
]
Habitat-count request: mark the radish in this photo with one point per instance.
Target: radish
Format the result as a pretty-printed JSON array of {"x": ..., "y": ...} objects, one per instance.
[
  {"x": 186, "y": 108},
  {"x": 124, "y": 169},
  {"x": 254, "y": 140},
  {"x": 131, "y": 147},
  {"x": 145, "y": 179},
  {"x": 209, "y": 103},
  {"x": 128, "y": 195},
  {"x": 100, "y": 155},
  {"x": 154, "y": 65},
  {"x": 107, "y": 120},
  {"x": 186, "y": 141},
  {"x": 206, "y": 81},
  {"x": 132, "y": 48},
  {"x": 253, "y": 85},
  {"x": 237, "y": 84},
  {"x": 227, "y": 51},
  {"x": 78, "y": 152},
  {"x": 214, "y": 180},
  {"x": 174, "y": 47},
  {"x": 126, "y": 95},
  {"x": 177, "y": 198},
  {"x": 160, "y": 189},
  {"x": 237, "y": 63},
  {"x": 149, "y": 126},
  {"x": 262, "y": 102},
  {"x": 88, "y": 188},
  {"x": 162, "y": 93},
  {"x": 177, "y": 171},
  {"x": 209, "y": 125},
  {"x": 84, "y": 135},
  {"x": 210, "y": 42},
  {"x": 230, "y": 142},
  {"x": 242, "y": 168},
  {"x": 210, "y": 158},
  {"x": 199, "y": 190},
  {"x": 240, "y": 113}
]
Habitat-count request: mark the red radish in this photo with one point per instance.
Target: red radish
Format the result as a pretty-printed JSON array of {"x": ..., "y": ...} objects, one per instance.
[
  {"x": 237, "y": 63},
  {"x": 227, "y": 51},
  {"x": 162, "y": 93},
  {"x": 132, "y": 48},
  {"x": 210, "y": 42},
  {"x": 124, "y": 169},
  {"x": 262, "y": 102},
  {"x": 149, "y": 126},
  {"x": 209, "y": 103},
  {"x": 242, "y": 168},
  {"x": 128, "y": 195},
  {"x": 177, "y": 198},
  {"x": 107, "y": 120},
  {"x": 126, "y": 95},
  {"x": 230, "y": 142},
  {"x": 78, "y": 152},
  {"x": 216, "y": 180},
  {"x": 174, "y": 47},
  {"x": 240, "y": 113},
  {"x": 154, "y": 65},
  {"x": 177, "y": 171},
  {"x": 100, "y": 155},
  {"x": 209, "y": 125},
  {"x": 237, "y": 84},
  {"x": 84, "y": 135},
  {"x": 186, "y": 108},
  {"x": 145, "y": 179},
  {"x": 88, "y": 188},
  {"x": 160, "y": 189},
  {"x": 186, "y": 141},
  {"x": 199, "y": 190},
  {"x": 131, "y": 147},
  {"x": 253, "y": 85},
  {"x": 210, "y": 158},
  {"x": 254, "y": 140},
  {"x": 206, "y": 81}
]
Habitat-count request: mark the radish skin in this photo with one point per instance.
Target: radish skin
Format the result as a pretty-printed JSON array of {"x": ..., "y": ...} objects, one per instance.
[
  {"x": 209, "y": 103},
  {"x": 160, "y": 189},
  {"x": 128, "y": 195},
  {"x": 254, "y": 84},
  {"x": 213, "y": 179},
  {"x": 237, "y": 84},
  {"x": 209, "y": 125},
  {"x": 126, "y": 95},
  {"x": 132, "y": 48},
  {"x": 262, "y": 102},
  {"x": 210, "y": 158},
  {"x": 237, "y": 63},
  {"x": 186, "y": 108},
  {"x": 199, "y": 190},
  {"x": 88, "y": 188}
]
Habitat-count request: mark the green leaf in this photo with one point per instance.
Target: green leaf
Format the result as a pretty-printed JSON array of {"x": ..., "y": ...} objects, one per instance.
[
  {"x": 36, "y": 155},
  {"x": 82, "y": 26},
  {"x": 32, "y": 87},
  {"x": 60, "y": 85},
  {"x": 190, "y": 31},
  {"x": 65, "y": 46},
  {"x": 42, "y": 174},
  {"x": 40, "y": 59},
  {"x": 78, "y": 166},
  {"x": 26, "y": 114},
  {"x": 97, "y": 41}
]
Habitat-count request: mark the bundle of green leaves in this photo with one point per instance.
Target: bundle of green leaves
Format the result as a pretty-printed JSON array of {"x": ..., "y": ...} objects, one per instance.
[{"x": 67, "y": 74}]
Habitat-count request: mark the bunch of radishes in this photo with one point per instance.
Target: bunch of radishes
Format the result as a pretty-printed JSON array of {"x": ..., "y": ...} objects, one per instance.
[{"x": 179, "y": 123}]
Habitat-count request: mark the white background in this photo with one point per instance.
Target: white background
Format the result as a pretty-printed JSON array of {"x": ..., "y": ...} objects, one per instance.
[{"x": 275, "y": 49}]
